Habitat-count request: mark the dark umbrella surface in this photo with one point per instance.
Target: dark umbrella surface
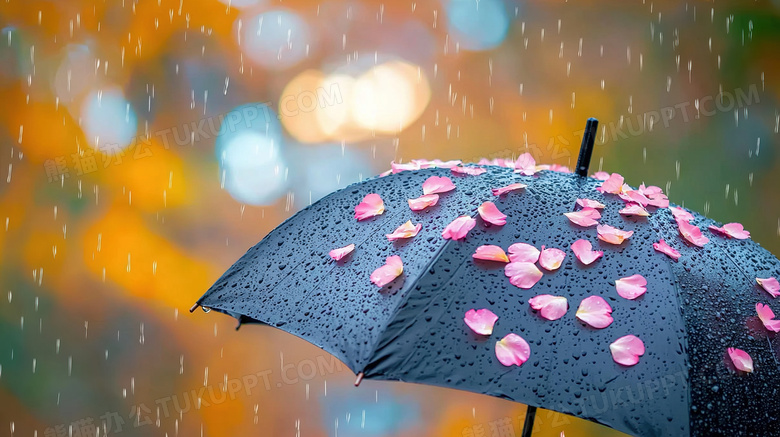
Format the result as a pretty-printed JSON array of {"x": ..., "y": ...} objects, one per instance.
[{"x": 413, "y": 329}]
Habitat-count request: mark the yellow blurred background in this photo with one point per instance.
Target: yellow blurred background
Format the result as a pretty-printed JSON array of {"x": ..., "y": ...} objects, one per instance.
[{"x": 146, "y": 144}]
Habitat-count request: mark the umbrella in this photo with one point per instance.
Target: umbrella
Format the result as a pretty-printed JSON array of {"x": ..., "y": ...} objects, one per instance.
[{"x": 588, "y": 298}]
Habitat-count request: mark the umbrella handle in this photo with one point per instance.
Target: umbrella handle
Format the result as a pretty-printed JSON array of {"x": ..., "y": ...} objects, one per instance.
[
  {"x": 586, "y": 149},
  {"x": 530, "y": 413}
]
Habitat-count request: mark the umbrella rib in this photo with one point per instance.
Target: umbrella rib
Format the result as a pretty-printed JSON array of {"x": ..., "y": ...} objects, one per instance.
[
  {"x": 428, "y": 265},
  {"x": 749, "y": 279}
]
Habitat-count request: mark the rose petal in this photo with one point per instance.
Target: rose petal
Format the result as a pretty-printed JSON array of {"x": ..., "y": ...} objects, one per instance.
[
  {"x": 732, "y": 230},
  {"x": 681, "y": 214},
  {"x": 550, "y": 307},
  {"x": 662, "y": 247},
  {"x": 525, "y": 165},
  {"x": 372, "y": 205},
  {"x": 659, "y": 201},
  {"x": 551, "y": 259},
  {"x": 634, "y": 209},
  {"x": 490, "y": 213},
  {"x": 423, "y": 202},
  {"x": 397, "y": 168},
  {"x": 508, "y": 188},
  {"x": 595, "y": 311},
  {"x": 631, "y": 287},
  {"x": 559, "y": 168},
  {"x": 771, "y": 285},
  {"x": 611, "y": 235},
  {"x": 584, "y": 217},
  {"x": 512, "y": 350},
  {"x": 613, "y": 184},
  {"x": 588, "y": 203},
  {"x": 458, "y": 228},
  {"x": 338, "y": 254},
  {"x": 480, "y": 321},
  {"x": 741, "y": 359},
  {"x": 766, "y": 315},
  {"x": 406, "y": 230},
  {"x": 522, "y": 252},
  {"x": 600, "y": 175},
  {"x": 471, "y": 171},
  {"x": 634, "y": 196},
  {"x": 583, "y": 251},
  {"x": 652, "y": 190},
  {"x": 445, "y": 164},
  {"x": 490, "y": 253},
  {"x": 626, "y": 350},
  {"x": 691, "y": 233},
  {"x": 437, "y": 185},
  {"x": 522, "y": 274},
  {"x": 387, "y": 273}
]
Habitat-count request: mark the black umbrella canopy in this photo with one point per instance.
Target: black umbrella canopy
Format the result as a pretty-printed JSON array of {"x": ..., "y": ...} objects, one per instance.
[{"x": 413, "y": 329}]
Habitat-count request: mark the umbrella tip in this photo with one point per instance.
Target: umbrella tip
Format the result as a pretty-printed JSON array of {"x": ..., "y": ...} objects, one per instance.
[
  {"x": 194, "y": 307},
  {"x": 586, "y": 149},
  {"x": 359, "y": 378}
]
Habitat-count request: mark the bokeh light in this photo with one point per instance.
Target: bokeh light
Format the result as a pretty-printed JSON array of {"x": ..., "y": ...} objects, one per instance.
[
  {"x": 108, "y": 120},
  {"x": 248, "y": 148},
  {"x": 276, "y": 39},
  {"x": 477, "y": 25}
]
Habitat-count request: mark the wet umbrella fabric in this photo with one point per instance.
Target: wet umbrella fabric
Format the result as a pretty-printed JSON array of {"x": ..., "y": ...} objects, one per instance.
[{"x": 413, "y": 329}]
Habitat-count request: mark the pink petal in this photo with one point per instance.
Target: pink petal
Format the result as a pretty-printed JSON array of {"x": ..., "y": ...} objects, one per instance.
[
  {"x": 662, "y": 247},
  {"x": 584, "y": 217},
  {"x": 423, "y": 202},
  {"x": 634, "y": 209},
  {"x": 560, "y": 168},
  {"x": 769, "y": 284},
  {"x": 634, "y": 196},
  {"x": 372, "y": 205},
  {"x": 522, "y": 252},
  {"x": 386, "y": 173},
  {"x": 459, "y": 228},
  {"x": 445, "y": 164},
  {"x": 480, "y": 321},
  {"x": 406, "y": 230},
  {"x": 691, "y": 233},
  {"x": 659, "y": 201},
  {"x": 522, "y": 274},
  {"x": 551, "y": 259},
  {"x": 741, "y": 359},
  {"x": 650, "y": 191},
  {"x": 508, "y": 188},
  {"x": 588, "y": 203},
  {"x": 490, "y": 213},
  {"x": 600, "y": 175},
  {"x": 595, "y": 311},
  {"x": 550, "y": 307},
  {"x": 631, "y": 287},
  {"x": 732, "y": 230},
  {"x": 387, "y": 273},
  {"x": 626, "y": 350},
  {"x": 583, "y": 251},
  {"x": 611, "y": 235},
  {"x": 766, "y": 315},
  {"x": 525, "y": 165},
  {"x": 437, "y": 185},
  {"x": 490, "y": 253},
  {"x": 471, "y": 171},
  {"x": 338, "y": 254},
  {"x": 512, "y": 350},
  {"x": 397, "y": 168},
  {"x": 613, "y": 184},
  {"x": 681, "y": 214}
]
